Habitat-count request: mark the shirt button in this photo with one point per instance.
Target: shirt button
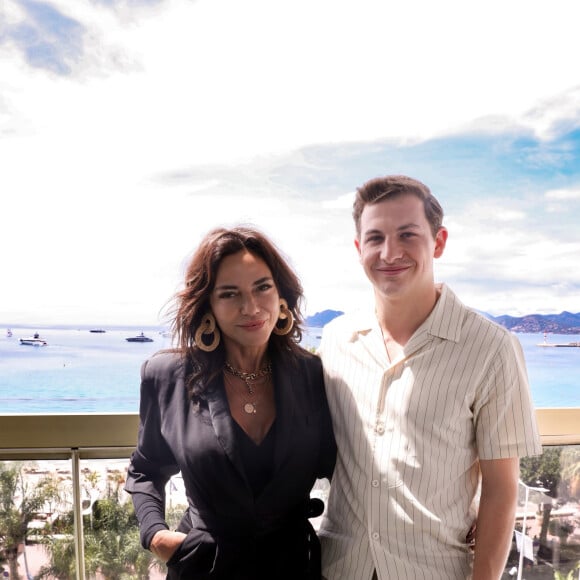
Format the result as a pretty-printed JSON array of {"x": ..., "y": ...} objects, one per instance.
[
  {"x": 376, "y": 535},
  {"x": 380, "y": 428},
  {"x": 375, "y": 483}
]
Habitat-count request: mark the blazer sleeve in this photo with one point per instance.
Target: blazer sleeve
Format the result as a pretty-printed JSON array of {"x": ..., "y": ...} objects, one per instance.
[
  {"x": 152, "y": 462},
  {"x": 327, "y": 456}
]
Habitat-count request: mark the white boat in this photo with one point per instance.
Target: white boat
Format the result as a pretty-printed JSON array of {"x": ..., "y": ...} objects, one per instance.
[
  {"x": 140, "y": 338},
  {"x": 34, "y": 340},
  {"x": 9, "y": 333},
  {"x": 558, "y": 344}
]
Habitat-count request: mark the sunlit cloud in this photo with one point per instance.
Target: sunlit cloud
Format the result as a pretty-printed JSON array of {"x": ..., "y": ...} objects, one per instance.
[
  {"x": 343, "y": 202},
  {"x": 130, "y": 128},
  {"x": 563, "y": 194}
]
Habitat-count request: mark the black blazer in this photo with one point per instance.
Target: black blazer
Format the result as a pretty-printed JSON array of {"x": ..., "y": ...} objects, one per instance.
[{"x": 232, "y": 534}]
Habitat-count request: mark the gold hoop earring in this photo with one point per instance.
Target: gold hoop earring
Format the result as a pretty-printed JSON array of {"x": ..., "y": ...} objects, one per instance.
[
  {"x": 285, "y": 314},
  {"x": 207, "y": 326}
]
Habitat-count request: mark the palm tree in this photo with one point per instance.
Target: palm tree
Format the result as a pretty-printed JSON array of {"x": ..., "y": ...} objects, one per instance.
[
  {"x": 112, "y": 547},
  {"x": 19, "y": 505},
  {"x": 62, "y": 558},
  {"x": 543, "y": 471},
  {"x": 570, "y": 461}
]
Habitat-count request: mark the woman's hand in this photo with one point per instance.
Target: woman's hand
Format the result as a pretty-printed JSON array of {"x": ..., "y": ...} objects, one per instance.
[{"x": 165, "y": 543}]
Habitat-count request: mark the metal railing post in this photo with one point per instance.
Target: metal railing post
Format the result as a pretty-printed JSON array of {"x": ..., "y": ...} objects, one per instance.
[{"x": 78, "y": 516}]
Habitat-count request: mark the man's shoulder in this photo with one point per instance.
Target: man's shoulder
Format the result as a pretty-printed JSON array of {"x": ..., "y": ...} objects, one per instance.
[
  {"x": 358, "y": 319},
  {"x": 487, "y": 336},
  {"x": 469, "y": 319},
  {"x": 482, "y": 321},
  {"x": 347, "y": 325}
]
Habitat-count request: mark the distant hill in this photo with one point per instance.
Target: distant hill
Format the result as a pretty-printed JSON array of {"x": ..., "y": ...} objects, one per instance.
[
  {"x": 563, "y": 323},
  {"x": 319, "y": 319}
]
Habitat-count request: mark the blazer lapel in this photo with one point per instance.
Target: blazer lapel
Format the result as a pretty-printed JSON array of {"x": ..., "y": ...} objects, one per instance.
[
  {"x": 223, "y": 426},
  {"x": 286, "y": 407}
]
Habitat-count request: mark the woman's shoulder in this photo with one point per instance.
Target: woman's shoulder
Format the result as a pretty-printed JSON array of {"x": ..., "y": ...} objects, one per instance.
[
  {"x": 300, "y": 362},
  {"x": 162, "y": 364},
  {"x": 311, "y": 359},
  {"x": 304, "y": 358}
]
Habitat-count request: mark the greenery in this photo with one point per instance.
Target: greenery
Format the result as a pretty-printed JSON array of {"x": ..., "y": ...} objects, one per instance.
[
  {"x": 112, "y": 546},
  {"x": 571, "y": 575},
  {"x": 543, "y": 471},
  {"x": 562, "y": 529},
  {"x": 19, "y": 505},
  {"x": 570, "y": 463},
  {"x": 558, "y": 471}
]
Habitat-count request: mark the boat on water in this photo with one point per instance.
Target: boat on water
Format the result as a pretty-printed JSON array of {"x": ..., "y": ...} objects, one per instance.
[
  {"x": 97, "y": 330},
  {"x": 9, "y": 333},
  {"x": 34, "y": 340},
  {"x": 139, "y": 338},
  {"x": 558, "y": 344}
]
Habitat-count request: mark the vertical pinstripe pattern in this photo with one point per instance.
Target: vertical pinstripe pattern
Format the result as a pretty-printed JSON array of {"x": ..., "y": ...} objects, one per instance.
[{"x": 409, "y": 437}]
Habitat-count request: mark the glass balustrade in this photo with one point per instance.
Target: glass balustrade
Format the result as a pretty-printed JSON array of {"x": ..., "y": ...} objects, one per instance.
[{"x": 62, "y": 476}]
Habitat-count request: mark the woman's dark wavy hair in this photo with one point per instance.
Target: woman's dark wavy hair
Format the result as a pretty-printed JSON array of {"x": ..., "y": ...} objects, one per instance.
[{"x": 193, "y": 302}]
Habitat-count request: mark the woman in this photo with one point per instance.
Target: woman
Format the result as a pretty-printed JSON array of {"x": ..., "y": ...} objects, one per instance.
[{"x": 239, "y": 408}]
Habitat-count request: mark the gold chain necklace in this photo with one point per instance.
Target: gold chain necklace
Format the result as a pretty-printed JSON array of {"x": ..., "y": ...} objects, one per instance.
[
  {"x": 249, "y": 407},
  {"x": 249, "y": 378}
]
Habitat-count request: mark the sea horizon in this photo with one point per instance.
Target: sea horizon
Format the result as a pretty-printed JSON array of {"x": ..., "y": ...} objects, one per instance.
[{"x": 84, "y": 372}]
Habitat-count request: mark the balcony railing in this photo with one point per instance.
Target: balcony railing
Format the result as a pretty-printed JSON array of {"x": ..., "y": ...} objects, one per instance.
[{"x": 113, "y": 436}]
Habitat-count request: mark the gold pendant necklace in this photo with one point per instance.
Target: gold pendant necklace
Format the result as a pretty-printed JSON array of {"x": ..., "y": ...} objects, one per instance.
[
  {"x": 249, "y": 407},
  {"x": 249, "y": 378}
]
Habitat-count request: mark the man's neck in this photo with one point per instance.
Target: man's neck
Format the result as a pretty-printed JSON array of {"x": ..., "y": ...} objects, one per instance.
[{"x": 400, "y": 317}]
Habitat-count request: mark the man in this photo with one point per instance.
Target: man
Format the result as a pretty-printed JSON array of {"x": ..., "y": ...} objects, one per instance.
[{"x": 429, "y": 400}]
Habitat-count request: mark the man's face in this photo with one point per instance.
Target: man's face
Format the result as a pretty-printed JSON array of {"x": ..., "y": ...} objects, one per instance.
[{"x": 396, "y": 246}]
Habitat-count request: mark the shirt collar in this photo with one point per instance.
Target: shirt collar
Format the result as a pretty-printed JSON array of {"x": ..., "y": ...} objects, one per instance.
[{"x": 444, "y": 321}]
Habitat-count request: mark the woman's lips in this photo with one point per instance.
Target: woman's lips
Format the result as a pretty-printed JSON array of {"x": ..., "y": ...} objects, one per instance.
[{"x": 252, "y": 326}]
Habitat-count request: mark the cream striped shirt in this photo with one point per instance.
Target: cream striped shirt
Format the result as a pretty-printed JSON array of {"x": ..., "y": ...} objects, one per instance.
[{"x": 409, "y": 435}]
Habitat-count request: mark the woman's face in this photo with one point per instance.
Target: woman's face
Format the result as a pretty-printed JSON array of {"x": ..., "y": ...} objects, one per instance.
[{"x": 245, "y": 301}]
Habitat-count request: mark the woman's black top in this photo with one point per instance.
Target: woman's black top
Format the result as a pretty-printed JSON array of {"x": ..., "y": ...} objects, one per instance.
[{"x": 245, "y": 520}]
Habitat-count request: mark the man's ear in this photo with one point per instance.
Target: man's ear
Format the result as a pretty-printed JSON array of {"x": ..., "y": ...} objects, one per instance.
[
  {"x": 440, "y": 242},
  {"x": 357, "y": 246}
]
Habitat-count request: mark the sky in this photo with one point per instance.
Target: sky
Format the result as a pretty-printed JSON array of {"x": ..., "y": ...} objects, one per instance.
[{"x": 130, "y": 128}]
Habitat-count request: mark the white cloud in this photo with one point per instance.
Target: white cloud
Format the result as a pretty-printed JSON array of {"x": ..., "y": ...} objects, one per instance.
[
  {"x": 271, "y": 78},
  {"x": 342, "y": 202},
  {"x": 509, "y": 265},
  {"x": 175, "y": 113},
  {"x": 562, "y": 194}
]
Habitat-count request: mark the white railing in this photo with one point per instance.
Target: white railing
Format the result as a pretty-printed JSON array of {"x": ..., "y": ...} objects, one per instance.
[{"x": 113, "y": 436}]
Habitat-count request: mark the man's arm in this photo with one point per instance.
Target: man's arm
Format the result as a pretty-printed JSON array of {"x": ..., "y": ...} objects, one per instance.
[{"x": 496, "y": 518}]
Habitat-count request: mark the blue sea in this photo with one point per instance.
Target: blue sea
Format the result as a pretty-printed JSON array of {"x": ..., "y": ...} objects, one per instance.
[{"x": 80, "y": 371}]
